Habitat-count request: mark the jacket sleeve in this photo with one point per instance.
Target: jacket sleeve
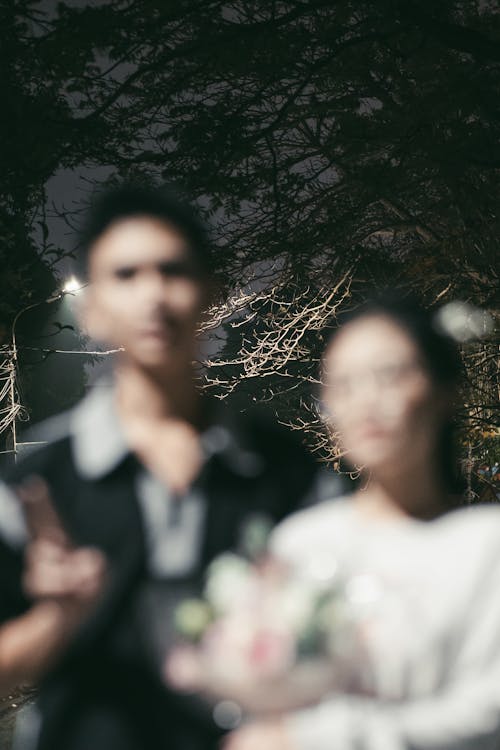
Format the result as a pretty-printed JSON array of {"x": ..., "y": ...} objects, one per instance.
[{"x": 465, "y": 715}]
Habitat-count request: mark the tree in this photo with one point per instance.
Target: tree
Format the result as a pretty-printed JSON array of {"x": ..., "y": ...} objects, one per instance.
[
  {"x": 323, "y": 141},
  {"x": 36, "y": 138}
]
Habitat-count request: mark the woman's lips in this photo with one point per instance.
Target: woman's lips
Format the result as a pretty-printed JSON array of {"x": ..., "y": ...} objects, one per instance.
[{"x": 369, "y": 432}]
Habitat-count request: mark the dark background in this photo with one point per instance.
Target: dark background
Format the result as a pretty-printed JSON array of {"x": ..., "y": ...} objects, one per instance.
[{"x": 330, "y": 146}]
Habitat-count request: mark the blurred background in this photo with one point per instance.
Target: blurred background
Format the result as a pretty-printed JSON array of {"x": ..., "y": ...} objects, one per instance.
[{"x": 333, "y": 148}]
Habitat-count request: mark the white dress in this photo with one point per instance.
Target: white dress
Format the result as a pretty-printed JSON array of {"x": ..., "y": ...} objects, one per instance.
[{"x": 431, "y": 598}]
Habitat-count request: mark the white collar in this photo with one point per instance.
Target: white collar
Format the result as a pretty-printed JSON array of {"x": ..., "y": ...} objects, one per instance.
[{"x": 99, "y": 444}]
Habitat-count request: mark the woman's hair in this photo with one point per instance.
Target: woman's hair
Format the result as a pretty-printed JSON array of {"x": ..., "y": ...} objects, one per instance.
[
  {"x": 440, "y": 357},
  {"x": 134, "y": 200}
]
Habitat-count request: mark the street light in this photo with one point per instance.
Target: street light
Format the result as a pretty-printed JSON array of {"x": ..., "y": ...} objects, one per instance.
[{"x": 71, "y": 286}]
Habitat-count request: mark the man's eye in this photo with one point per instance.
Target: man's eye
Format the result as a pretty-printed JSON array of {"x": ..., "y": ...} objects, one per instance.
[
  {"x": 125, "y": 273},
  {"x": 177, "y": 270}
]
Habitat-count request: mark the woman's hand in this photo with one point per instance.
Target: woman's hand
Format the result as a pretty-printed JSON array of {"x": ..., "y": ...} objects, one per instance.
[{"x": 259, "y": 735}]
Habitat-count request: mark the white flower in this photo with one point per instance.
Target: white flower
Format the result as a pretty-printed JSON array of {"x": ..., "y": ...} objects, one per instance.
[
  {"x": 296, "y": 602},
  {"x": 230, "y": 582}
]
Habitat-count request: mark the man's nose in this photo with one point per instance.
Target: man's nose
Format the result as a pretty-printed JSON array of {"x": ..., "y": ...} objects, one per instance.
[{"x": 154, "y": 286}]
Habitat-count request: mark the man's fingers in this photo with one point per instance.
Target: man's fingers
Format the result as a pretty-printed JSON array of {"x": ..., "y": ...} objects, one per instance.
[
  {"x": 41, "y": 517},
  {"x": 45, "y": 580},
  {"x": 88, "y": 570},
  {"x": 46, "y": 551},
  {"x": 53, "y": 571},
  {"x": 55, "y": 568}
]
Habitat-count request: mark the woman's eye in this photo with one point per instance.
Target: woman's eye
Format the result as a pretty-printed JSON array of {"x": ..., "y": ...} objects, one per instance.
[
  {"x": 340, "y": 385},
  {"x": 125, "y": 273}
]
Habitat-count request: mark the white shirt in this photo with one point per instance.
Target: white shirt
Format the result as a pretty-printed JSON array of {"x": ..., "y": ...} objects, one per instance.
[{"x": 429, "y": 597}]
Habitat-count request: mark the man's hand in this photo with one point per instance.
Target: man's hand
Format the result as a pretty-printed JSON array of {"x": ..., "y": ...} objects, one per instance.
[
  {"x": 74, "y": 577},
  {"x": 64, "y": 583},
  {"x": 54, "y": 568}
]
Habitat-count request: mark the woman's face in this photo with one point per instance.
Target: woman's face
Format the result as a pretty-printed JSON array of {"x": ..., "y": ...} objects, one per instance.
[{"x": 380, "y": 397}]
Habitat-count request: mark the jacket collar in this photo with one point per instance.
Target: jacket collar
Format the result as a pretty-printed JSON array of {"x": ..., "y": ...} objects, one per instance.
[{"x": 99, "y": 444}]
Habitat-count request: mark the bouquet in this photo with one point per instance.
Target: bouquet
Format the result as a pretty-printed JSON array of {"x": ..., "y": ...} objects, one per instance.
[{"x": 263, "y": 638}]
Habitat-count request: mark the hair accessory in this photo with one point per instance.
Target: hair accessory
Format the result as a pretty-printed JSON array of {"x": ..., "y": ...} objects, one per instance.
[{"x": 464, "y": 322}]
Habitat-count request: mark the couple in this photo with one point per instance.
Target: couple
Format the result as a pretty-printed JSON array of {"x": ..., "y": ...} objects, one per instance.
[{"x": 150, "y": 482}]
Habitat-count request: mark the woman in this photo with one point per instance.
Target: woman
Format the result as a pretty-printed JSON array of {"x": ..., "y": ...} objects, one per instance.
[{"x": 429, "y": 676}]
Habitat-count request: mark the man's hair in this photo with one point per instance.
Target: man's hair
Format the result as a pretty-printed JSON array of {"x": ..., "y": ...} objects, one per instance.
[{"x": 132, "y": 200}]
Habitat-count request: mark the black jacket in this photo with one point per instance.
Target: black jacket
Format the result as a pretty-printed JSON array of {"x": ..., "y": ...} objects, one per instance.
[{"x": 105, "y": 693}]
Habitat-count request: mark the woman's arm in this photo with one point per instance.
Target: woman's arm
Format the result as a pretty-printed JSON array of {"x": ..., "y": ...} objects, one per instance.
[{"x": 466, "y": 716}]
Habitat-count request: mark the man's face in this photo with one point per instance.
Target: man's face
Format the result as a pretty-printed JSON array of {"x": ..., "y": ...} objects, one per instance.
[{"x": 145, "y": 294}]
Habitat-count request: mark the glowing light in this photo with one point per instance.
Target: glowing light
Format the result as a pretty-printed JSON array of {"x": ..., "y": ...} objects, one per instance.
[{"x": 72, "y": 285}]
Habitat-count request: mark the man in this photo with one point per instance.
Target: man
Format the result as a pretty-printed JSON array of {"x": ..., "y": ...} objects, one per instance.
[{"x": 139, "y": 487}]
